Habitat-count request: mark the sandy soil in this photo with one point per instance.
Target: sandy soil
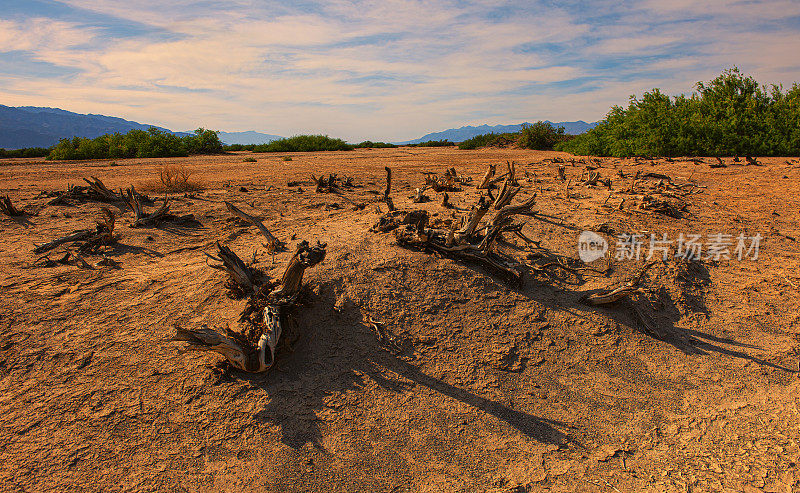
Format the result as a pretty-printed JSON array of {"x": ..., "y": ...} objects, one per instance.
[{"x": 498, "y": 389}]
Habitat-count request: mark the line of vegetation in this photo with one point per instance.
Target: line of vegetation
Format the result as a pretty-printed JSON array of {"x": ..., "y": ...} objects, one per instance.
[
  {"x": 304, "y": 143},
  {"x": 540, "y": 135},
  {"x": 137, "y": 144},
  {"x": 25, "y": 152},
  {"x": 433, "y": 143},
  {"x": 368, "y": 144},
  {"x": 729, "y": 116}
]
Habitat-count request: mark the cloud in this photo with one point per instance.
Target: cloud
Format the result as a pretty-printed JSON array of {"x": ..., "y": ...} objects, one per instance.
[{"x": 388, "y": 70}]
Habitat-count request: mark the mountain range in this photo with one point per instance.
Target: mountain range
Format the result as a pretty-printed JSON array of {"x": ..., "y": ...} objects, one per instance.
[
  {"x": 464, "y": 133},
  {"x": 33, "y": 126}
]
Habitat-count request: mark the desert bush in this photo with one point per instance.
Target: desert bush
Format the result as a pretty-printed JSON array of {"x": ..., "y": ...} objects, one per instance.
[
  {"x": 730, "y": 115},
  {"x": 172, "y": 178},
  {"x": 368, "y": 144},
  {"x": 287, "y": 158},
  {"x": 249, "y": 160},
  {"x": 137, "y": 144},
  {"x": 490, "y": 139},
  {"x": 304, "y": 143},
  {"x": 540, "y": 135},
  {"x": 203, "y": 142}
]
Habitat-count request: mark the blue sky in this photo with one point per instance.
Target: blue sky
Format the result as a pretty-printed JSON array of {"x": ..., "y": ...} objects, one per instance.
[{"x": 380, "y": 70}]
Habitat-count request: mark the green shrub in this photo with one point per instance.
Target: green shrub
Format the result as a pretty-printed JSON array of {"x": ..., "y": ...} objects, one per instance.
[
  {"x": 486, "y": 140},
  {"x": 540, "y": 135},
  {"x": 203, "y": 142},
  {"x": 368, "y": 144},
  {"x": 304, "y": 143},
  {"x": 137, "y": 144},
  {"x": 249, "y": 160},
  {"x": 287, "y": 158},
  {"x": 730, "y": 115}
]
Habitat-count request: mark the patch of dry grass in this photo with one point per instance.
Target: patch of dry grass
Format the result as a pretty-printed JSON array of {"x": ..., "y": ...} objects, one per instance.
[{"x": 172, "y": 178}]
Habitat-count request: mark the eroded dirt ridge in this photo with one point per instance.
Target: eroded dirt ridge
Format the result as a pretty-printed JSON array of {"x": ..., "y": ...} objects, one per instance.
[{"x": 408, "y": 365}]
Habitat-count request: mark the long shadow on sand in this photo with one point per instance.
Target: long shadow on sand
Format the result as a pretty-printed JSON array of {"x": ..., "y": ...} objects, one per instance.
[{"x": 337, "y": 354}]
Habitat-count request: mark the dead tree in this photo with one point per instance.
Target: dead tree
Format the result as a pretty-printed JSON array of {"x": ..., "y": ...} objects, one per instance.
[
  {"x": 255, "y": 350},
  {"x": 101, "y": 192},
  {"x": 134, "y": 202},
  {"x": 331, "y": 183},
  {"x": 7, "y": 208},
  {"x": 103, "y": 234},
  {"x": 469, "y": 243},
  {"x": 95, "y": 191},
  {"x": 487, "y": 178}
]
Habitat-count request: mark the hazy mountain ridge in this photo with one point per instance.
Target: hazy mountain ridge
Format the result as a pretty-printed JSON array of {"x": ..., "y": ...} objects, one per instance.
[
  {"x": 34, "y": 126},
  {"x": 467, "y": 132},
  {"x": 31, "y": 126},
  {"x": 247, "y": 138}
]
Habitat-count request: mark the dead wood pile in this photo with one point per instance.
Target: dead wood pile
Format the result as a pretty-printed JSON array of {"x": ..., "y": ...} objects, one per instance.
[
  {"x": 450, "y": 181},
  {"x": 467, "y": 242},
  {"x": 94, "y": 191},
  {"x": 332, "y": 183}
]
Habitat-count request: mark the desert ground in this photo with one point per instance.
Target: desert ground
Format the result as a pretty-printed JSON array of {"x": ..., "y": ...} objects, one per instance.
[{"x": 492, "y": 387}]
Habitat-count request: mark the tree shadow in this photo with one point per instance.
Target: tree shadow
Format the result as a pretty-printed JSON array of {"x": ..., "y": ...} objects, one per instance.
[
  {"x": 339, "y": 353},
  {"x": 22, "y": 220},
  {"x": 656, "y": 318}
]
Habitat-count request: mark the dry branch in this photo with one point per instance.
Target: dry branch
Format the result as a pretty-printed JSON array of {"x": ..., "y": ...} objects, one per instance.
[
  {"x": 420, "y": 197},
  {"x": 613, "y": 295},
  {"x": 273, "y": 244}
]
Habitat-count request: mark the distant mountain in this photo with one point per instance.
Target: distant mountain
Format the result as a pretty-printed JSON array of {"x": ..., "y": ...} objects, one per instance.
[
  {"x": 246, "y": 138},
  {"x": 464, "y": 133},
  {"x": 31, "y": 126}
]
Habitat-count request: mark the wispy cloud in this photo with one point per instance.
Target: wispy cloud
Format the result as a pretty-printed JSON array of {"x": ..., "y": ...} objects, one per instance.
[{"x": 378, "y": 69}]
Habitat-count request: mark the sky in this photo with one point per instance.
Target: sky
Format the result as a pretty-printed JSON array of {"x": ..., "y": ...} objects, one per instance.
[{"x": 386, "y": 70}]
